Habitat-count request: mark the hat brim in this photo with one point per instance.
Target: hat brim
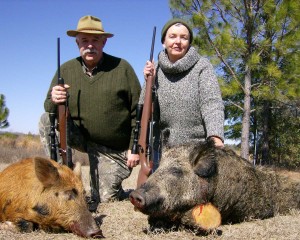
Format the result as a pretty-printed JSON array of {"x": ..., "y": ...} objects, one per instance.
[{"x": 73, "y": 33}]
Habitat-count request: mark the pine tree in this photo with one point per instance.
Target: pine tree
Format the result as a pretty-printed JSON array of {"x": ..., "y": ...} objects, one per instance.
[{"x": 3, "y": 112}]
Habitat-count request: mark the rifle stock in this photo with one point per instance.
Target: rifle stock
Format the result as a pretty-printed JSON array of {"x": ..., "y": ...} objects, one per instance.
[
  {"x": 63, "y": 115},
  {"x": 145, "y": 148}
]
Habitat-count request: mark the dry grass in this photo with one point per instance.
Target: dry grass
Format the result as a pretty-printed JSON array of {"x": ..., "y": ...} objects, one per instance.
[
  {"x": 119, "y": 220},
  {"x": 18, "y": 146},
  {"x": 15, "y": 147}
]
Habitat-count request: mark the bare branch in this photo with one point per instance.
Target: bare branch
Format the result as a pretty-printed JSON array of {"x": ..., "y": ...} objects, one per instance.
[
  {"x": 234, "y": 104},
  {"x": 221, "y": 12},
  {"x": 237, "y": 11}
]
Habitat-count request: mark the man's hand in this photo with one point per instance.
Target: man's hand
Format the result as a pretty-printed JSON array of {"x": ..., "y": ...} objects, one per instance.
[
  {"x": 59, "y": 94},
  {"x": 132, "y": 159}
]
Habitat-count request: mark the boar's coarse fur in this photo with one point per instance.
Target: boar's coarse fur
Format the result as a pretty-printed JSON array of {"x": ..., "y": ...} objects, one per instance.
[
  {"x": 198, "y": 173},
  {"x": 37, "y": 193}
]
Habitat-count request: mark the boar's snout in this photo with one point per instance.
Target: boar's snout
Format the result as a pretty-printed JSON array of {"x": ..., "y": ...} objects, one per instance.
[
  {"x": 94, "y": 232},
  {"x": 137, "y": 199}
]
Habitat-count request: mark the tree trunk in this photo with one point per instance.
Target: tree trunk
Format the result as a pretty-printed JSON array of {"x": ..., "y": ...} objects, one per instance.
[
  {"x": 246, "y": 115},
  {"x": 265, "y": 144}
]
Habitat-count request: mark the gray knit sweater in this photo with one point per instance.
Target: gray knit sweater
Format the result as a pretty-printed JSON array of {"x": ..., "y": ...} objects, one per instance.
[{"x": 189, "y": 99}]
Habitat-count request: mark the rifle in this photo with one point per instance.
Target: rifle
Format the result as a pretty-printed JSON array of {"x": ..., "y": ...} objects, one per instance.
[
  {"x": 145, "y": 143},
  {"x": 63, "y": 116}
]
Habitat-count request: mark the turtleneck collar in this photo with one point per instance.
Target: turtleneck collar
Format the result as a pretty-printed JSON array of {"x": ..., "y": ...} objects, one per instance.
[{"x": 181, "y": 65}]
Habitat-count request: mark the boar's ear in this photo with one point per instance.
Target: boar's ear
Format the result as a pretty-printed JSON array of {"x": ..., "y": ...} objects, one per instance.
[
  {"x": 45, "y": 171},
  {"x": 202, "y": 159},
  {"x": 77, "y": 169}
]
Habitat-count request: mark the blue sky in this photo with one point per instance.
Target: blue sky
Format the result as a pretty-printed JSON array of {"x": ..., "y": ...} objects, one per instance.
[{"x": 29, "y": 32}]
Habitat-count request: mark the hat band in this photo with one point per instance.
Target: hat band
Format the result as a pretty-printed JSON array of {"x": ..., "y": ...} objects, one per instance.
[{"x": 89, "y": 29}]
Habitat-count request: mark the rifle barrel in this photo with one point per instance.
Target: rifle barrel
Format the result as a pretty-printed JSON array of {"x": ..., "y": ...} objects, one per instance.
[
  {"x": 153, "y": 42},
  {"x": 58, "y": 58}
]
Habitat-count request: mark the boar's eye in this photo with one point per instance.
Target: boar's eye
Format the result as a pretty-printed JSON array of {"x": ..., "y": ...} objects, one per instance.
[
  {"x": 41, "y": 209},
  {"x": 71, "y": 194},
  {"x": 177, "y": 172}
]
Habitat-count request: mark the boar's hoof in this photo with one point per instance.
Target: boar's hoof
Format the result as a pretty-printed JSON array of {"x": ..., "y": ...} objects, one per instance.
[
  {"x": 137, "y": 200},
  {"x": 94, "y": 233}
]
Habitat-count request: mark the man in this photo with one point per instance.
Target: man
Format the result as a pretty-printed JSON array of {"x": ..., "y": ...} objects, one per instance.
[{"x": 102, "y": 92}]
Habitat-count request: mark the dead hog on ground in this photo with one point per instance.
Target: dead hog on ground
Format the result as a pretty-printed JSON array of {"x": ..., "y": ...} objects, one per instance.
[
  {"x": 198, "y": 173},
  {"x": 37, "y": 193}
]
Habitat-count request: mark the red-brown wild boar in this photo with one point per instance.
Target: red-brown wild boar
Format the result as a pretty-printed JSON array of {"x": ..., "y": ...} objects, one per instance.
[
  {"x": 198, "y": 173},
  {"x": 37, "y": 193}
]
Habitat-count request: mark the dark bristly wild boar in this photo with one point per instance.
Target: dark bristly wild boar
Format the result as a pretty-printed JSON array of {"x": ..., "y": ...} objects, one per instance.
[
  {"x": 198, "y": 173},
  {"x": 37, "y": 193}
]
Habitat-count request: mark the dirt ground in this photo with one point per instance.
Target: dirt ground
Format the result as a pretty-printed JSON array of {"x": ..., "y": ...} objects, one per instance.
[{"x": 118, "y": 220}]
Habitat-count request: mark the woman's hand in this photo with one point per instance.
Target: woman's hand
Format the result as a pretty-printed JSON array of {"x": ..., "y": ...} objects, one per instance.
[
  {"x": 218, "y": 142},
  {"x": 149, "y": 69}
]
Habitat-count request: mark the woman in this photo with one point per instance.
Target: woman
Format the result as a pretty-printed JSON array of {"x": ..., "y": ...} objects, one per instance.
[{"x": 189, "y": 104}]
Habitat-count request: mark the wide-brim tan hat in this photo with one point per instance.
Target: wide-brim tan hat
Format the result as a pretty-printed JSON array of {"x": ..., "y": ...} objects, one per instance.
[{"x": 89, "y": 24}]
